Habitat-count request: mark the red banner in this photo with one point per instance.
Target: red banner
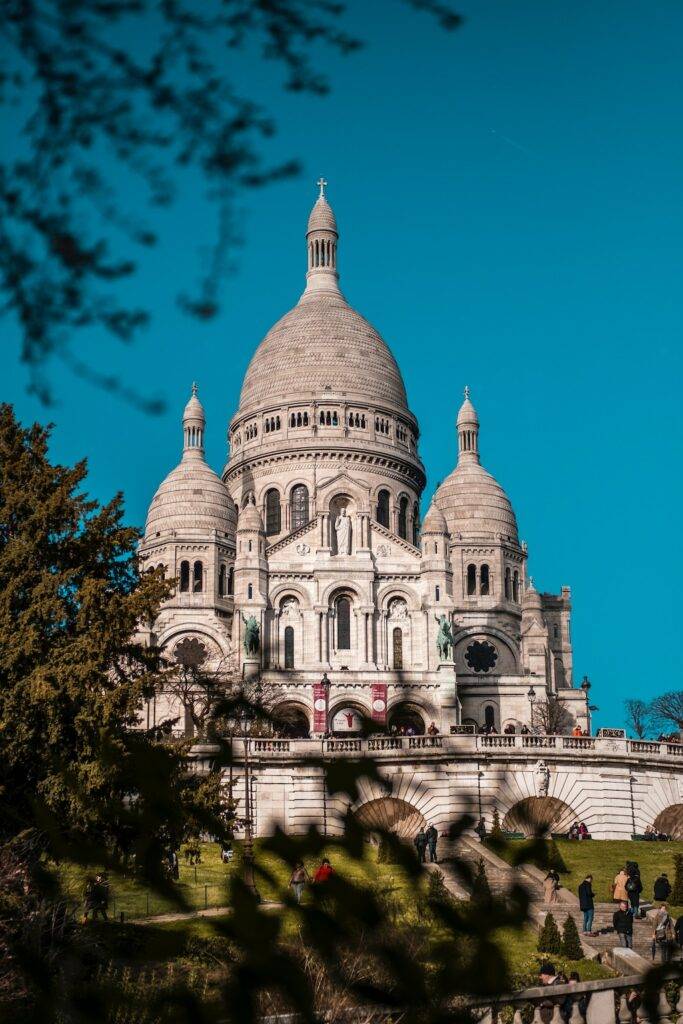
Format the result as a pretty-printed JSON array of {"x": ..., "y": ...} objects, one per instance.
[
  {"x": 319, "y": 708},
  {"x": 379, "y": 702}
]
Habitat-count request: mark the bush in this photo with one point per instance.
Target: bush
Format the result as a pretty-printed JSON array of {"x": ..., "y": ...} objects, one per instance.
[
  {"x": 481, "y": 890},
  {"x": 438, "y": 891},
  {"x": 677, "y": 893},
  {"x": 496, "y": 830},
  {"x": 571, "y": 943},
  {"x": 550, "y": 940}
]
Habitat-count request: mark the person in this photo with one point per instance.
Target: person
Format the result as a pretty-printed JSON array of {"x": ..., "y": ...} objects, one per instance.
[
  {"x": 524, "y": 731},
  {"x": 662, "y": 888},
  {"x": 175, "y": 865},
  {"x": 226, "y": 853},
  {"x": 324, "y": 872},
  {"x": 574, "y": 831},
  {"x": 432, "y": 730},
  {"x": 480, "y": 829},
  {"x": 678, "y": 931},
  {"x": 577, "y": 731},
  {"x": 622, "y": 921},
  {"x": 587, "y": 904},
  {"x": 619, "y": 892},
  {"x": 100, "y": 896},
  {"x": 583, "y": 830},
  {"x": 298, "y": 880},
  {"x": 649, "y": 833},
  {"x": 421, "y": 845},
  {"x": 634, "y": 887},
  {"x": 551, "y": 884},
  {"x": 431, "y": 835},
  {"x": 547, "y": 976},
  {"x": 662, "y": 934}
]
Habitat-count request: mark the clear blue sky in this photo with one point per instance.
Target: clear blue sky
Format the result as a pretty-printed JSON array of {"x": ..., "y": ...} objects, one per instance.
[{"x": 510, "y": 209}]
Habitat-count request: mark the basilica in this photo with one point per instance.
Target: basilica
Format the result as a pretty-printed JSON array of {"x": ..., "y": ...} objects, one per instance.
[{"x": 306, "y": 562}]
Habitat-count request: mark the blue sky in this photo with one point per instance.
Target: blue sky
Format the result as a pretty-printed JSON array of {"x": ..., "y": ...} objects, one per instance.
[{"x": 509, "y": 202}]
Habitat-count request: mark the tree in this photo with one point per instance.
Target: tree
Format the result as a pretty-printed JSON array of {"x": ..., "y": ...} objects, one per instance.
[
  {"x": 667, "y": 709},
  {"x": 481, "y": 890},
  {"x": 496, "y": 830},
  {"x": 549, "y": 939},
  {"x": 100, "y": 117},
  {"x": 571, "y": 943},
  {"x": 638, "y": 717},
  {"x": 677, "y": 893},
  {"x": 551, "y": 717}
]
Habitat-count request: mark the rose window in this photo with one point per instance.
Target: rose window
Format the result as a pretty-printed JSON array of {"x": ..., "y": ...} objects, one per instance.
[{"x": 481, "y": 656}]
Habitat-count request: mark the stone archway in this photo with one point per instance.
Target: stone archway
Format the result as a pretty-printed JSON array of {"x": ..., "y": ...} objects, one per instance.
[
  {"x": 537, "y": 814},
  {"x": 390, "y": 814},
  {"x": 670, "y": 821}
]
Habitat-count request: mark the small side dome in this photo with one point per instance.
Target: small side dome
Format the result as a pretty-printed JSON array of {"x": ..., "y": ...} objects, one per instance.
[
  {"x": 250, "y": 519},
  {"x": 435, "y": 521},
  {"x": 322, "y": 215}
]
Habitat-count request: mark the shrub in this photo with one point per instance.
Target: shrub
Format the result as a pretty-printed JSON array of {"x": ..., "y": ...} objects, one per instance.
[
  {"x": 438, "y": 891},
  {"x": 571, "y": 943},
  {"x": 550, "y": 940},
  {"x": 481, "y": 890},
  {"x": 496, "y": 830}
]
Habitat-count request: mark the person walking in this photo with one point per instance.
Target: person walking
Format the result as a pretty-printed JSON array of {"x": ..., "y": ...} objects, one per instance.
[
  {"x": 299, "y": 879},
  {"x": 619, "y": 892},
  {"x": 421, "y": 845},
  {"x": 587, "y": 904},
  {"x": 622, "y": 921},
  {"x": 432, "y": 836},
  {"x": 662, "y": 935},
  {"x": 324, "y": 872},
  {"x": 662, "y": 889},
  {"x": 634, "y": 887},
  {"x": 551, "y": 884}
]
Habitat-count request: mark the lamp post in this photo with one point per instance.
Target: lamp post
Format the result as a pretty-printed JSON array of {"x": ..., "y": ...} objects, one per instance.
[
  {"x": 531, "y": 694},
  {"x": 585, "y": 686},
  {"x": 244, "y": 721},
  {"x": 631, "y": 780}
]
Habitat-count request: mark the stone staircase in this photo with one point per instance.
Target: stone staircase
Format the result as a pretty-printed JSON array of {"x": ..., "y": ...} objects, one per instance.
[{"x": 501, "y": 877}]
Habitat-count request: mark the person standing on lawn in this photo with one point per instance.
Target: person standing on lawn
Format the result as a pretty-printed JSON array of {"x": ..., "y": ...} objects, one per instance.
[
  {"x": 298, "y": 880},
  {"x": 619, "y": 892},
  {"x": 634, "y": 887},
  {"x": 623, "y": 925},
  {"x": 324, "y": 872},
  {"x": 587, "y": 904},
  {"x": 662, "y": 935},
  {"x": 662, "y": 889},
  {"x": 431, "y": 835},
  {"x": 421, "y": 845}
]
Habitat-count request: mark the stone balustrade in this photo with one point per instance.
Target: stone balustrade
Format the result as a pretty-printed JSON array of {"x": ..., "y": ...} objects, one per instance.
[{"x": 463, "y": 744}]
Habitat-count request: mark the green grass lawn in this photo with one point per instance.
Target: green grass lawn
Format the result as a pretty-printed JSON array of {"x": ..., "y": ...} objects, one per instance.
[
  {"x": 602, "y": 858},
  {"x": 206, "y": 885}
]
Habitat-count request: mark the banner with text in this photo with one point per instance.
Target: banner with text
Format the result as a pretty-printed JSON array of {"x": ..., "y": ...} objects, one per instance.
[
  {"x": 379, "y": 702},
  {"x": 319, "y": 708}
]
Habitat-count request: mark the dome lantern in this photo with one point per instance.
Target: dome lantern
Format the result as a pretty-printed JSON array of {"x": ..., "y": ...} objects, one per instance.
[
  {"x": 468, "y": 431},
  {"x": 194, "y": 423},
  {"x": 321, "y": 242}
]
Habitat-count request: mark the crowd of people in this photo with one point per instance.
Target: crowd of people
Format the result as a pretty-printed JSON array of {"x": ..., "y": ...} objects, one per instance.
[
  {"x": 579, "y": 830},
  {"x": 653, "y": 834}
]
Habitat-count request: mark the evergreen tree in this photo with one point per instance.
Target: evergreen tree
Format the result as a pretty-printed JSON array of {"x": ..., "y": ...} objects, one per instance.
[
  {"x": 549, "y": 939},
  {"x": 481, "y": 890},
  {"x": 74, "y": 776},
  {"x": 571, "y": 943},
  {"x": 677, "y": 894},
  {"x": 496, "y": 830}
]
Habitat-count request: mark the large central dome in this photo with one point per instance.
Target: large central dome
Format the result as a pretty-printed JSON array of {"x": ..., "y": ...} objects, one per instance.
[{"x": 322, "y": 345}]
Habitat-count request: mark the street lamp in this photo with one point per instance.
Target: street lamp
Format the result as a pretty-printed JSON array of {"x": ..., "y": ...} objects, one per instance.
[
  {"x": 243, "y": 720},
  {"x": 585, "y": 686},
  {"x": 531, "y": 694}
]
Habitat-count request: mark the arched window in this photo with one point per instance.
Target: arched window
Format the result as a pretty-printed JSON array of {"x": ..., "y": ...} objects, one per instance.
[
  {"x": 221, "y": 581},
  {"x": 250, "y": 591},
  {"x": 231, "y": 580},
  {"x": 298, "y": 506},
  {"x": 471, "y": 579},
  {"x": 508, "y": 584},
  {"x": 184, "y": 577},
  {"x": 556, "y": 631},
  {"x": 335, "y": 419},
  {"x": 322, "y": 419},
  {"x": 289, "y": 647},
  {"x": 273, "y": 513},
  {"x": 490, "y": 717},
  {"x": 403, "y": 518},
  {"x": 383, "y": 499},
  {"x": 515, "y": 586},
  {"x": 343, "y": 624},
  {"x": 437, "y": 594},
  {"x": 397, "y": 640},
  {"x": 416, "y": 525},
  {"x": 197, "y": 578},
  {"x": 484, "y": 580}
]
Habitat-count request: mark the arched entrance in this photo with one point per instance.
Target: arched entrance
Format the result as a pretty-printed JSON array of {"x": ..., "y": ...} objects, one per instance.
[
  {"x": 346, "y": 720},
  {"x": 406, "y": 720},
  {"x": 670, "y": 821},
  {"x": 539, "y": 814},
  {"x": 291, "y": 722},
  {"x": 390, "y": 814}
]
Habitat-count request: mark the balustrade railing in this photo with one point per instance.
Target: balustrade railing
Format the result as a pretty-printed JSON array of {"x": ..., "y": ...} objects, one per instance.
[
  {"x": 546, "y": 742},
  {"x": 497, "y": 741},
  {"x": 644, "y": 747},
  {"x": 385, "y": 743},
  {"x": 422, "y": 742},
  {"x": 578, "y": 742},
  {"x": 271, "y": 746},
  {"x": 345, "y": 746}
]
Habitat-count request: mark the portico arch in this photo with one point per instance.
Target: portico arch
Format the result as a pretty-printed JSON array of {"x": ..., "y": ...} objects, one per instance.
[
  {"x": 670, "y": 821},
  {"x": 537, "y": 814},
  {"x": 292, "y": 720},
  {"x": 389, "y": 814},
  {"x": 407, "y": 716}
]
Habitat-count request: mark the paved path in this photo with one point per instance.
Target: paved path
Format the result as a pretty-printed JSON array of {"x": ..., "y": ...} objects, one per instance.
[{"x": 190, "y": 914}]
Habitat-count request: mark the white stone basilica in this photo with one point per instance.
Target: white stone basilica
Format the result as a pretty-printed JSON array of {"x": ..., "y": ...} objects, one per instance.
[{"x": 307, "y": 557}]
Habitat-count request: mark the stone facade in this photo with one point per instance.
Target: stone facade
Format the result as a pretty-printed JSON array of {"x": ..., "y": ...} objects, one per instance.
[{"x": 313, "y": 532}]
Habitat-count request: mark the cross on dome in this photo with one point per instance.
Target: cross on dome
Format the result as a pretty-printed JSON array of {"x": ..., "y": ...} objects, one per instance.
[
  {"x": 467, "y": 391},
  {"x": 322, "y": 183},
  {"x": 195, "y": 388}
]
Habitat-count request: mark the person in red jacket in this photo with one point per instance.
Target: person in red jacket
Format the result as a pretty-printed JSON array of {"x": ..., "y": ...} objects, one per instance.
[{"x": 324, "y": 872}]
